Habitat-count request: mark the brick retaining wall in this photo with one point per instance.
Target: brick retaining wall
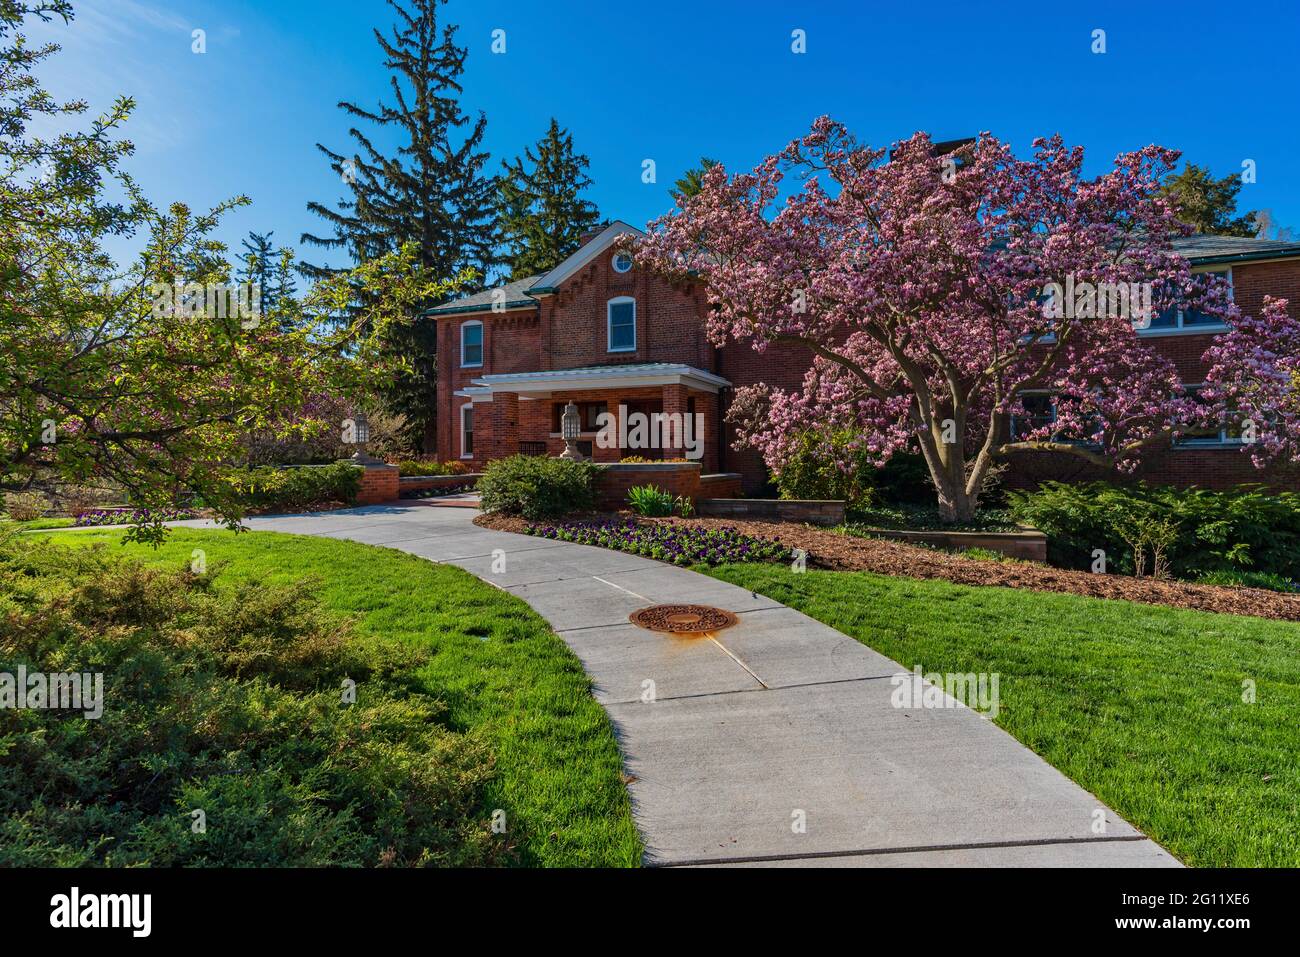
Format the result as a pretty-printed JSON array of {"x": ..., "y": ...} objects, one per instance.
[
  {"x": 1029, "y": 544},
  {"x": 613, "y": 482},
  {"x": 418, "y": 483},
  {"x": 721, "y": 485},
  {"x": 814, "y": 512}
]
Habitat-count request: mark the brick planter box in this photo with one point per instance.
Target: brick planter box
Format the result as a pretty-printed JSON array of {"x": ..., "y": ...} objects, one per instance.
[
  {"x": 614, "y": 480},
  {"x": 810, "y": 511},
  {"x": 720, "y": 485},
  {"x": 1027, "y": 543}
]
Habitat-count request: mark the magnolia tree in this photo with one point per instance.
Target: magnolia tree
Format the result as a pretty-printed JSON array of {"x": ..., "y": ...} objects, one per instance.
[{"x": 936, "y": 292}]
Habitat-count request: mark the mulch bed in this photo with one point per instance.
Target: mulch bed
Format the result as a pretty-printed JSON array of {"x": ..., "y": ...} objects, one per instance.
[{"x": 836, "y": 552}]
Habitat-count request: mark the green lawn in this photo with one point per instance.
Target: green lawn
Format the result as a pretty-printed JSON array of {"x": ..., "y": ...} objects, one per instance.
[
  {"x": 1141, "y": 705},
  {"x": 34, "y": 524},
  {"x": 498, "y": 667}
]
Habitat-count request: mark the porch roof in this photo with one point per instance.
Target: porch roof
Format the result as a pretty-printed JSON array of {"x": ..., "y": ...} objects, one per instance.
[{"x": 633, "y": 375}]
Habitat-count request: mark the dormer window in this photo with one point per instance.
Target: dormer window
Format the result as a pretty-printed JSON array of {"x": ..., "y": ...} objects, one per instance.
[
  {"x": 622, "y": 324},
  {"x": 471, "y": 344},
  {"x": 621, "y": 262}
]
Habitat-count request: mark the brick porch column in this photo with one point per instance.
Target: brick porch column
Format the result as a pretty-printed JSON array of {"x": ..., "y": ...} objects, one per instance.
[
  {"x": 708, "y": 406},
  {"x": 674, "y": 402},
  {"x": 502, "y": 414}
]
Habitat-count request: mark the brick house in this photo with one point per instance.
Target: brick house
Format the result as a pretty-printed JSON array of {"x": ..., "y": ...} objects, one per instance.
[{"x": 605, "y": 335}]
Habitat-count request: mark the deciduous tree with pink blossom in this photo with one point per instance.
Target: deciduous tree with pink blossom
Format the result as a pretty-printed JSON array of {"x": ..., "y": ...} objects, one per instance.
[{"x": 936, "y": 291}]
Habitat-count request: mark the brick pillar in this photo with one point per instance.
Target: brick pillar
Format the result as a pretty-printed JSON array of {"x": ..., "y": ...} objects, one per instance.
[
  {"x": 502, "y": 415},
  {"x": 379, "y": 483},
  {"x": 674, "y": 402},
  {"x": 710, "y": 408}
]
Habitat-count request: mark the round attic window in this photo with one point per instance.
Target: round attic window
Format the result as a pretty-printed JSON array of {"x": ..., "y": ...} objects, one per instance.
[{"x": 621, "y": 262}]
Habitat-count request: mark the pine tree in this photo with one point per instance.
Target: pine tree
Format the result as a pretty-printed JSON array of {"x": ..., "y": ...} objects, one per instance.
[
  {"x": 272, "y": 269},
  {"x": 432, "y": 192},
  {"x": 542, "y": 213},
  {"x": 1207, "y": 204},
  {"x": 259, "y": 262}
]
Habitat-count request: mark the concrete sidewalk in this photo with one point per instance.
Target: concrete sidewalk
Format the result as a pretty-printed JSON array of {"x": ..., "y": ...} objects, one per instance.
[{"x": 775, "y": 741}]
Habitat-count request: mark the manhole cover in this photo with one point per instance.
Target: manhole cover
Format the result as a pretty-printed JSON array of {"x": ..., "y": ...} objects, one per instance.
[{"x": 682, "y": 619}]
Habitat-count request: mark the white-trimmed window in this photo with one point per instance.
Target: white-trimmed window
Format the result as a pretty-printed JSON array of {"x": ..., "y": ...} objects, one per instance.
[
  {"x": 471, "y": 344},
  {"x": 621, "y": 324},
  {"x": 467, "y": 430},
  {"x": 1189, "y": 320},
  {"x": 1229, "y": 433},
  {"x": 621, "y": 262}
]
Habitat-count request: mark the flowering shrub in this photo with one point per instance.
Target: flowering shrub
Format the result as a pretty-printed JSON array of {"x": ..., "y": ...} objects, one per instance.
[
  {"x": 138, "y": 516},
  {"x": 676, "y": 544}
]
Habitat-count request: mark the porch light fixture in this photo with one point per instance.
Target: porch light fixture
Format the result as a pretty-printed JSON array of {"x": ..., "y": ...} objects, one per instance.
[
  {"x": 570, "y": 429},
  {"x": 361, "y": 431}
]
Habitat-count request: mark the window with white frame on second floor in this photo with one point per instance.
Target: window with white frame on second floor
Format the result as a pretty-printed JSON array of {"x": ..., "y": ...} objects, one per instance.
[
  {"x": 471, "y": 344},
  {"x": 1170, "y": 320},
  {"x": 622, "y": 324}
]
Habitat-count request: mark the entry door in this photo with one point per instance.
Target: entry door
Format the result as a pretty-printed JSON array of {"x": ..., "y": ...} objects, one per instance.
[{"x": 648, "y": 408}]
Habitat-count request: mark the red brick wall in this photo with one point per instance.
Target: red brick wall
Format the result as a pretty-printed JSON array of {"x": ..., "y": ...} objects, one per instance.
[
  {"x": 668, "y": 327},
  {"x": 720, "y": 485},
  {"x": 379, "y": 483},
  {"x": 613, "y": 483}
]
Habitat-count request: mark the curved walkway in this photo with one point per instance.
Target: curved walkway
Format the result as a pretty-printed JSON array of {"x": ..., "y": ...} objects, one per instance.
[{"x": 774, "y": 741}]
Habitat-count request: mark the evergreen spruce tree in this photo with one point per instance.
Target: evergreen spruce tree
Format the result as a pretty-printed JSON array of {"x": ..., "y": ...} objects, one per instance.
[
  {"x": 259, "y": 263},
  {"x": 543, "y": 214},
  {"x": 1207, "y": 204},
  {"x": 272, "y": 269},
  {"x": 433, "y": 191}
]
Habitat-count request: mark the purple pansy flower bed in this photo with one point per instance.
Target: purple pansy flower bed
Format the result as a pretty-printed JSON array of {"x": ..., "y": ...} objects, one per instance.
[
  {"x": 136, "y": 516},
  {"x": 676, "y": 544}
]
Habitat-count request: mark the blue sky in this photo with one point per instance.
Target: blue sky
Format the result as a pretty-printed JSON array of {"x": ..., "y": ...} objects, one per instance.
[{"x": 671, "y": 81}]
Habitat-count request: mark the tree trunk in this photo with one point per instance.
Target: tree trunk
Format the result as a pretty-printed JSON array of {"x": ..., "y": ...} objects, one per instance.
[{"x": 954, "y": 504}]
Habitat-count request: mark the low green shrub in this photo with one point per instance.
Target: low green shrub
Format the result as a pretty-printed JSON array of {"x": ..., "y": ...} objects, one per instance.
[
  {"x": 1266, "y": 580},
  {"x": 1242, "y": 529},
  {"x": 230, "y": 702},
  {"x": 537, "y": 487},
  {"x": 650, "y": 500},
  {"x": 294, "y": 489},
  {"x": 812, "y": 474},
  {"x": 906, "y": 517},
  {"x": 430, "y": 467}
]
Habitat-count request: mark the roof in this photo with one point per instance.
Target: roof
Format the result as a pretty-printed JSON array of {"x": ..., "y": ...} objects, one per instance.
[
  {"x": 585, "y": 254},
  {"x": 516, "y": 296},
  {"x": 632, "y": 374},
  {"x": 1201, "y": 248},
  {"x": 522, "y": 293}
]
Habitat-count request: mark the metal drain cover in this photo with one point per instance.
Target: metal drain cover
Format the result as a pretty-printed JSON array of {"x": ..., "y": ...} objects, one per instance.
[{"x": 682, "y": 619}]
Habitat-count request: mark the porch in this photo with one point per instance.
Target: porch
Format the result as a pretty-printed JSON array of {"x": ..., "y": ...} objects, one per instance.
[{"x": 656, "y": 411}]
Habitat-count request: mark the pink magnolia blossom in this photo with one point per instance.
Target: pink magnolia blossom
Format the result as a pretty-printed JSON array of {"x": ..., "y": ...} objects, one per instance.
[{"x": 918, "y": 282}]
